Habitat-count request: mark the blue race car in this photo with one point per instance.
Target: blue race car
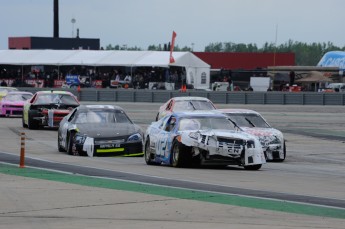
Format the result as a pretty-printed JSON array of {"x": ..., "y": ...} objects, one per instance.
[{"x": 183, "y": 139}]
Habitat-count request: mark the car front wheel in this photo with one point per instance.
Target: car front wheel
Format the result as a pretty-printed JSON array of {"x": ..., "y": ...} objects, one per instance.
[
  {"x": 149, "y": 154},
  {"x": 180, "y": 155},
  {"x": 32, "y": 123},
  {"x": 284, "y": 154}
]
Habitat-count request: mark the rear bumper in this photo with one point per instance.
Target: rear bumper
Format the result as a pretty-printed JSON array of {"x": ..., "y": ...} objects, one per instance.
[{"x": 11, "y": 111}]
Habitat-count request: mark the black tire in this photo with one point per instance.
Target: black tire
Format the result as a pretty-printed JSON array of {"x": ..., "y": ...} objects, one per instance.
[
  {"x": 180, "y": 155},
  {"x": 69, "y": 146},
  {"x": 281, "y": 160},
  {"x": 148, "y": 154},
  {"x": 60, "y": 148},
  {"x": 32, "y": 124},
  {"x": 253, "y": 167}
]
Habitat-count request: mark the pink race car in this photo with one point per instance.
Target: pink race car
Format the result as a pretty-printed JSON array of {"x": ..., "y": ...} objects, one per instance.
[{"x": 12, "y": 104}]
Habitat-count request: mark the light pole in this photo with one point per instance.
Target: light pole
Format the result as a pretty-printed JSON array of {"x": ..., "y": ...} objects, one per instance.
[{"x": 73, "y": 21}]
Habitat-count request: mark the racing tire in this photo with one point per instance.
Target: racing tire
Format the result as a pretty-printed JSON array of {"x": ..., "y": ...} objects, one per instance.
[
  {"x": 70, "y": 143},
  {"x": 32, "y": 123},
  {"x": 59, "y": 144},
  {"x": 282, "y": 159},
  {"x": 148, "y": 154},
  {"x": 253, "y": 167},
  {"x": 180, "y": 155}
]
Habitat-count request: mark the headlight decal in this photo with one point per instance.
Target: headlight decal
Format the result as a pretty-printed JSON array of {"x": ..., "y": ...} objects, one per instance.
[
  {"x": 134, "y": 138},
  {"x": 80, "y": 139},
  {"x": 194, "y": 135}
]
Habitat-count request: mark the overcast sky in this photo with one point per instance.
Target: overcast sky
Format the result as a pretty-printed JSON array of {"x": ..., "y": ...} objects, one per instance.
[{"x": 145, "y": 22}]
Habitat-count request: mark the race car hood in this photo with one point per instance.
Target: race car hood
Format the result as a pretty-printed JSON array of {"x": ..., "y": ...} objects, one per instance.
[
  {"x": 188, "y": 140},
  {"x": 261, "y": 131},
  {"x": 227, "y": 133},
  {"x": 266, "y": 135},
  {"x": 105, "y": 130}
]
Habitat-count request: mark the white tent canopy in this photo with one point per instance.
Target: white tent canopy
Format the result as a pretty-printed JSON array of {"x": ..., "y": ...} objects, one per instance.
[
  {"x": 99, "y": 58},
  {"x": 197, "y": 71}
]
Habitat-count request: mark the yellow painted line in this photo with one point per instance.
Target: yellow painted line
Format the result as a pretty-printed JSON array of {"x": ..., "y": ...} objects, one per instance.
[
  {"x": 110, "y": 150},
  {"x": 133, "y": 155}
]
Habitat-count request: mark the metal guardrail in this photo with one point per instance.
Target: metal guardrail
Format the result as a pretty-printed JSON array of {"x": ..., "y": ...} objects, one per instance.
[{"x": 161, "y": 96}]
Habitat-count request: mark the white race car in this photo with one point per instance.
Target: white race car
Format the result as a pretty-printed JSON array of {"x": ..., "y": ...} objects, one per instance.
[
  {"x": 182, "y": 139},
  {"x": 272, "y": 140}
]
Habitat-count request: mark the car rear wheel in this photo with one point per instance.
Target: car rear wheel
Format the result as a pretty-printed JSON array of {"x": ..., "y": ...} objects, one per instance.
[
  {"x": 284, "y": 155},
  {"x": 180, "y": 155},
  {"x": 148, "y": 154}
]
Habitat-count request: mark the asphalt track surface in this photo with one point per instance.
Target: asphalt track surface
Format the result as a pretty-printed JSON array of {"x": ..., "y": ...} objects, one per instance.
[
  {"x": 312, "y": 175},
  {"x": 94, "y": 172}
]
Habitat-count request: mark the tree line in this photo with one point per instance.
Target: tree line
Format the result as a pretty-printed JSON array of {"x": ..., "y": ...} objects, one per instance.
[{"x": 306, "y": 54}]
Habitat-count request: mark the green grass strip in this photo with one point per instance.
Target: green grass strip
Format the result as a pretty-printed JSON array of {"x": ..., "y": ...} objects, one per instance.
[{"x": 274, "y": 205}]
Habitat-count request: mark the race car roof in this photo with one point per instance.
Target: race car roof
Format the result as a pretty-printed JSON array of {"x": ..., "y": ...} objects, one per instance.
[
  {"x": 198, "y": 113},
  {"x": 238, "y": 111},
  {"x": 187, "y": 98},
  {"x": 85, "y": 108},
  {"x": 54, "y": 92}
]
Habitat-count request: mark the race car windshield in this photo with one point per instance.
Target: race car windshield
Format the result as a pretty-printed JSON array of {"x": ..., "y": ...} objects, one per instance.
[
  {"x": 248, "y": 120},
  {"x": 100, "y": 116},
  {"x": 192, "y": 105},
  {"x": 18, "y": 97},
  {"x": 205, "y": 123},
  {"x": 56, "y": 98}
]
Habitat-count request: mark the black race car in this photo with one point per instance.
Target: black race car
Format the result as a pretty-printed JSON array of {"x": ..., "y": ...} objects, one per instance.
[
  {"x": 47, "y": 108},
  {"x": 99, "y": 130}
]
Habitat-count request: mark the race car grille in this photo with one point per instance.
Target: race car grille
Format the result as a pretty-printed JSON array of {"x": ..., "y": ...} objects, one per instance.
[
  {"x": 109, "y": 141},
  {"x": 231, "y": 141},
  {"x": 235, "y": 144},
  {"x": 203, "y": 139}
]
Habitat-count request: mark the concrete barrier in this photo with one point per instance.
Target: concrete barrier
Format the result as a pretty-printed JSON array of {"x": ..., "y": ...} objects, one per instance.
[{"x": 160, "y": 96}]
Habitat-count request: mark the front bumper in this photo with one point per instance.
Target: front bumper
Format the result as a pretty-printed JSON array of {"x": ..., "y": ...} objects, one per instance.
[
  {"x": 131, "y": 149},
  {"x": 274, "y": 152}
]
